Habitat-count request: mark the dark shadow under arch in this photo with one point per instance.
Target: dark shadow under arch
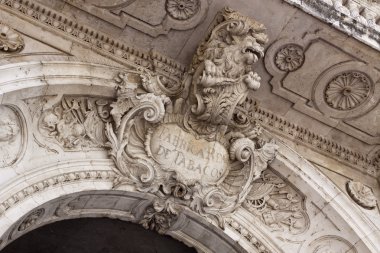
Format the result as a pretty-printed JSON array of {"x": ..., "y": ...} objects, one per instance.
[{"x": 95, "y": 235}]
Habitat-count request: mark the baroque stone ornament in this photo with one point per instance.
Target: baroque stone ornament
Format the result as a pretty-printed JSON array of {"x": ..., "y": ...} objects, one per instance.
[
  {"x": 10, "y": 40},
  {"x": 290, "y": 58},
  {"x": 348, "y": 90},
  {"x": 75, "y": 122},
  {"x": 150, "y": 17},
  {"x": 160, "y": 216},
  {"x": 277, "y": 205},
  {"x": 11, "y": 138},
  {"x": 361, "y": 194},
  {"x": 31, "y": 219},
  {"x": 330, "y": 244},
  {"x": 182, "y": 9},
  {"x": 196, "y": 149}
]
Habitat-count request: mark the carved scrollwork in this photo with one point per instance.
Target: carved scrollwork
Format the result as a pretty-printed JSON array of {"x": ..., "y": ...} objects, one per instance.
[
  {"x": 10, "y": 40},
  {"x": 160, "y": 216},
  {"x": 193, "y": 149}
]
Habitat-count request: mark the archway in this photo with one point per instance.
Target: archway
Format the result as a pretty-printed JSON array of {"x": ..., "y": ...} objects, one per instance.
[
  {"x": 93, "y": 235},
  {"x": 66, "y": 120},
  {"x": 58, "y": 175}
]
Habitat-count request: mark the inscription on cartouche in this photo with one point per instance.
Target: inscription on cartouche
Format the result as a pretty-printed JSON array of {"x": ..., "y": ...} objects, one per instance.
[{"x": 194, "y": 160}]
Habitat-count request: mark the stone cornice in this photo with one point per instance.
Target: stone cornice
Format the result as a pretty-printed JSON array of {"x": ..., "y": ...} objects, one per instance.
[
  {"x": 357, "y": 18},
  {"x": 98, "y": 41},
  {"x": 281, "y": 126}
]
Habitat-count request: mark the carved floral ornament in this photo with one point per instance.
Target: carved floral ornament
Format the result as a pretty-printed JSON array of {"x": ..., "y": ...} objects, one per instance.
[
  {"x": 361, "y": 194},
  {"x": 31, "y": 219},
  {"x": 190, "y": 144},
  {"x": 182, "y": 9},
  {"x": 348, "y": 90},
  {"x": 193, "y": 149},
  {"x": 290, "y": 57},
  {"x": 10, "y": 40}
]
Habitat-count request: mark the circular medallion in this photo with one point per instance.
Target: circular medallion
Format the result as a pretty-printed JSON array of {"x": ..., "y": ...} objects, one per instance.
[
  {"x": 361, "y": 194},
  {"x": 11, "y": 136},
  {"x": 290, "y": 57},
  {"x": 348, "y": 90},
  {"x": 182, "y": 9}
]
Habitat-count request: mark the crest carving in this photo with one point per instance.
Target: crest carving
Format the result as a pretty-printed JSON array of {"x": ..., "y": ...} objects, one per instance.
[{"x": 191, "y": 146}]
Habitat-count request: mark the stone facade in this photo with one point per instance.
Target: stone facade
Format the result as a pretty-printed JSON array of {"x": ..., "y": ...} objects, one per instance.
[{"x": 268, "y": 141}]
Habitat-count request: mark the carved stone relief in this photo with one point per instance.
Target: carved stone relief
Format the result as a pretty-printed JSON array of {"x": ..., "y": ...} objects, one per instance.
[
  {"x": 11, "y": 136},
  {"x": 361, "y": 194},
  {"x": 277, "y": 205},
  {"x": 160, "y": 216},
  {"x": 153, "y": 17},
  {"x": 96, "y": 40},
  {"x": 341, "y": 93},
  {"x": 73, "y": 122},
  {"x": 248, "y": 236},
  {"x": 31, "y": 219},
  {"x": 290, "y": 57},
  {"x": 348, "y": 90},
  {"x": 10, "y": 40},
  {"x": 327, "y": 244},
  {"x": 193, "y": 150},
  {"x": 182, "y": 9}
]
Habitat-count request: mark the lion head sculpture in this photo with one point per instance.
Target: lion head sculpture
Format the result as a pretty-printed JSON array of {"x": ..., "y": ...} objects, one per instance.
[{"x": 224, "y": 69}]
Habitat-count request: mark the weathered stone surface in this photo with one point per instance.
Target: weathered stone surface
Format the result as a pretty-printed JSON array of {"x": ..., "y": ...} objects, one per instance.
[
  {"x": 193, "y": 160},
  {"x": 190, "y": 146}
]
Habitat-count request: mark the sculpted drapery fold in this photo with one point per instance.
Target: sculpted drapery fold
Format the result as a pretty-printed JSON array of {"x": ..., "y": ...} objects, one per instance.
[{"x": 191, "y": 144}]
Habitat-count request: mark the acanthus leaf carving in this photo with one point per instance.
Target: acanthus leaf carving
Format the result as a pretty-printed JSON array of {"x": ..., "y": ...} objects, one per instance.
[
  {"x": 190, "y": 145},
  {"x": 160, "y": 216},
  {"x": 10, "y": 40}
]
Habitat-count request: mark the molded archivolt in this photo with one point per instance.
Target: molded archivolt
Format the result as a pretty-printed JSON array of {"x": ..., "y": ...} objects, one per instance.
[
  {"x": 304, "y": 212},
  {"x": 12, "y": 135}
]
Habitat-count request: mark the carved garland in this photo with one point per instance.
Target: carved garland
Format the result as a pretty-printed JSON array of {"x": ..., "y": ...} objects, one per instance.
[{"x": 193, "y": 150}]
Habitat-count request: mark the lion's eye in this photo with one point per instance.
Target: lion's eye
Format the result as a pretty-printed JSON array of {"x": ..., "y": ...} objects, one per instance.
[{"x": 249, "y": 50}]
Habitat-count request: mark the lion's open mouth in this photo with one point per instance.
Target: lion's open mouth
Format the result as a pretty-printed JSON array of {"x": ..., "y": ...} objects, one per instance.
[{"x": 252, "y": 50}]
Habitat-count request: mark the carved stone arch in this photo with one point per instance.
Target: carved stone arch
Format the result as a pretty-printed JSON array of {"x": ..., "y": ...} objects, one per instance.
[{"x": 79, "y": 147}]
